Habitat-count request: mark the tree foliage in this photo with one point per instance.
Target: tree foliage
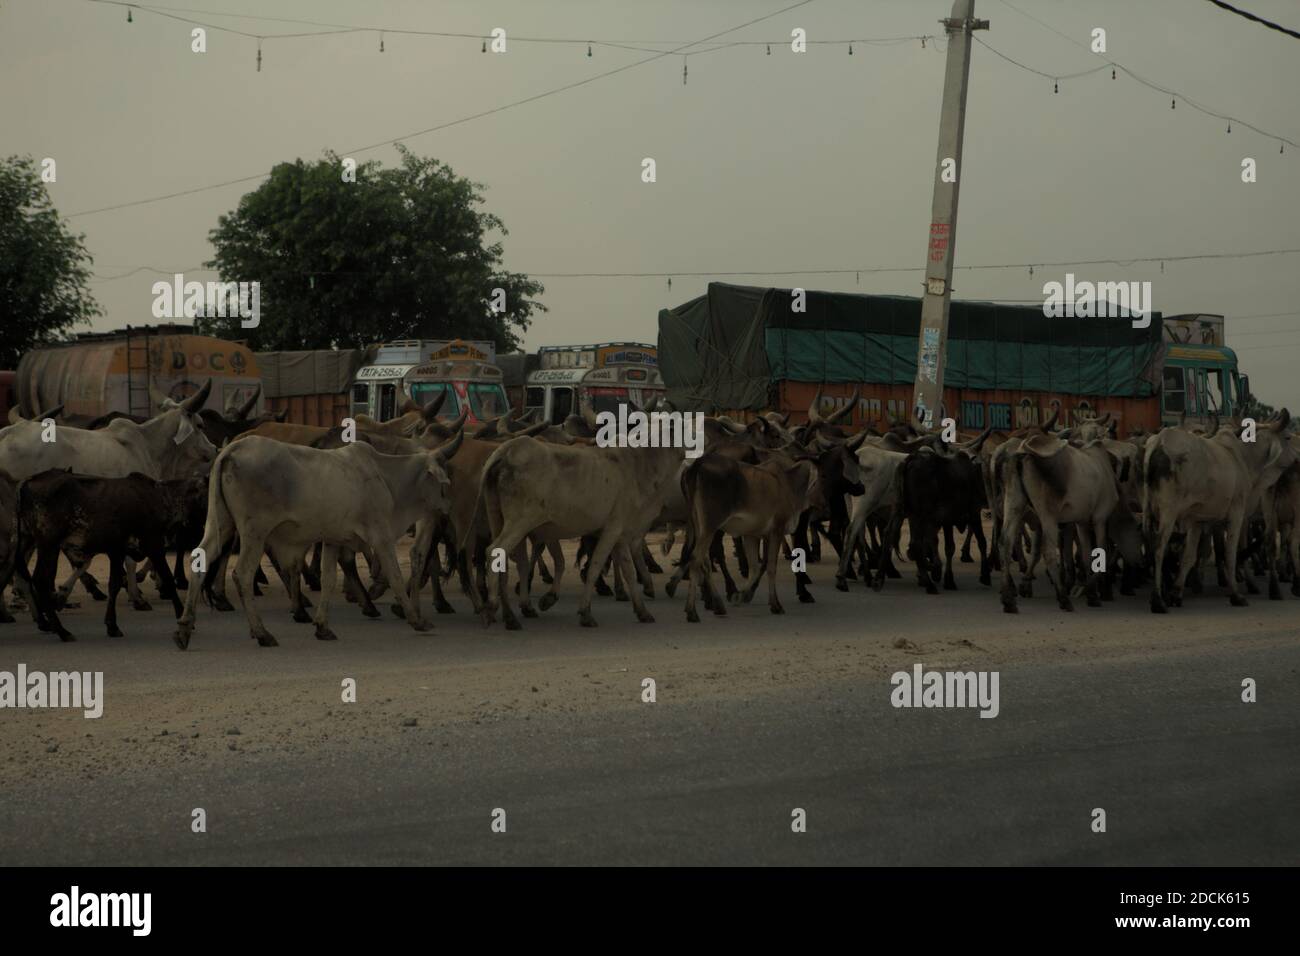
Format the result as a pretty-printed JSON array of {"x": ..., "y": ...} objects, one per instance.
[
  {"x": 404, "y": 252},
  {"x": 44, "y": 268}
]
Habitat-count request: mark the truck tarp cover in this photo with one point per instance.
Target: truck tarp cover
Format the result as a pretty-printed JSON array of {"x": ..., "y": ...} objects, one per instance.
[
  {"x": 316, "y": 372},
  {"x": 725, "y": 349}
]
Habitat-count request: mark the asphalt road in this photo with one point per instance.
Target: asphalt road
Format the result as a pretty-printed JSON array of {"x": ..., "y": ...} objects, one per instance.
[{"x": 755, "y": 715}]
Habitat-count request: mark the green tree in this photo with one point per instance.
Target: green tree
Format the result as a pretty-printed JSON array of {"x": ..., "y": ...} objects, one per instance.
[
  {"x": 44, "y": 268},
  {"x": 403, "y": 252}
]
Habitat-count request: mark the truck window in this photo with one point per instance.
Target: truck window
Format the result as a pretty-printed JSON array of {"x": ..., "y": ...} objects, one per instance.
[
  {"x": 361, "y": 399},
  {"x": 424, "y": 392},
  {"x": 487, "y": 401},
  {"x": 535, "y": 397},
  {"x": 608, "y": 400},
  {"x": 387, "y": 402},
  {"x": 561, "y": 405},
  {"x": 1175, "y": 399}
]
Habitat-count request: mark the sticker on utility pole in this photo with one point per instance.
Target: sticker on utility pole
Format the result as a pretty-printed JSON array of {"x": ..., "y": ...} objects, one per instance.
[{"x": 929, "y": 354}]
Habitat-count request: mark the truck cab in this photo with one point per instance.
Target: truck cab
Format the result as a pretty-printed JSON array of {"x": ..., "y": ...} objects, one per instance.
[
  {"x": 421, "y": 370},
  {"x": 598, "y": 378}
]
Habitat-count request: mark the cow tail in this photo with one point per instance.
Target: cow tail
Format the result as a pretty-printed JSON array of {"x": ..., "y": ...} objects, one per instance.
[
  {"x": 488, "y": 468},
  {"x": 217, "y": 510},
  {"x": 687, "y": 482}
]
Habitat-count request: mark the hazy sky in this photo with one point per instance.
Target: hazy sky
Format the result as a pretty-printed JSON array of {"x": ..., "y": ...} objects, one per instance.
[{"x": 765, "y": 163}]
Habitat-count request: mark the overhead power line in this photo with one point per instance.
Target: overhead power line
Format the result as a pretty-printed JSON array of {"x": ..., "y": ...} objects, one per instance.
[
  {"x": 1250, "y": 16},
  {"x": 863, "y": 270},
  {"x": 456, "y": 122}
]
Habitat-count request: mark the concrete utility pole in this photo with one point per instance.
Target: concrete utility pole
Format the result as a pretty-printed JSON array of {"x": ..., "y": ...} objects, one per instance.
[{"x": 932, "y": 349}]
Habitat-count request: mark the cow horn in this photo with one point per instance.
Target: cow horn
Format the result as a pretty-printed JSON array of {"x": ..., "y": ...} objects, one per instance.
[
  {"x": 50, "y": 413},
  {"x": 249, "y": 405},
  {"x": 14, "y": 417},
  {"x": 1103, "y": 419},
  {"x": 534, "y": 429},
  {"x": 430, "y": 412},
  {"x": 1051, "y": 422},
  {"x": 198, "y": 399},
  {"x": 651, "y": 405},
  {"x": 854, "y": 443},
  {"x": 847, "y": 410},
  {"x": 975, "y": 444},
  {"x": 1283, "y": 420},
  {"x": 814, "y": 415},
  {"x": 449, "y": 448},
  {"x": 785, "y": 419},
  {"x": 589, "y": 416}
]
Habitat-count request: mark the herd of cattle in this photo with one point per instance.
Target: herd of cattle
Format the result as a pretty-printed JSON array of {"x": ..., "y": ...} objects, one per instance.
[{"x": 1094, "y": 509}]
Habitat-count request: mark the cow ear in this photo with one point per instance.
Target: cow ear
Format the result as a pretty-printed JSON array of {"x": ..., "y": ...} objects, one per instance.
[{"x": 183, "y": 430}]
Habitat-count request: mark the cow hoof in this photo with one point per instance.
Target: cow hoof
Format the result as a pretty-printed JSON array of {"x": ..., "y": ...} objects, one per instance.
[
  {"x": 648, "y": 591},
  {"x": 323, "y": 633},
  {"x": 585, "y": 619},
  {"x": 1295, "y": 588},
  {"x": 1094, "y": 602},
  {"x": 6, "y": 618},
  {"x": 1009, "y": 607},
  {"x": 527, "y": 610},
  {"x": 950, "y": 585},
  {"x": 967, "y": 559},
  {"x": 548, "y": 601},
  {"x": 222, "y": 603},
  {"x": 265, "y": 639},
  {"x": 1236, "y": 600},
  {"x": 442, "y": 607},
  {"x": 1158, "y": 607},
  {"x": 1251, "y": 587},
  {"x": 1026, "y": 589},
  {"x": 719, "y": 609},
  {"x": 421, "y": 625},
  {"x": 1176, "y": 600},
  {"x": 181, "y": 638},
  {"x": 1065, "y": 604},
  {"x": 181, "y": 584},
  {"x": 620, "y": 595},
  {"x": 671, "y": 588},
  {"x": 931, "y": 589},
  {"x": 692, "y": 617},
  {"x": 734, "y": 597},
  {"x": 301, "y": 617},
  {"x": 66, "y": 637},
  {"x": 776, "y": 609},
  {"x": 878, "y": 585},
  {"x": 986, "y": 580},
  {"x": 807, "y": 598},
  {"x": 841, "y": 584},
  {"x": 115, "y": 631},
  {"x": 645, "y": 617},
  {"x": 1274, "y": 592},
  {"x": 602, "y": 588}
]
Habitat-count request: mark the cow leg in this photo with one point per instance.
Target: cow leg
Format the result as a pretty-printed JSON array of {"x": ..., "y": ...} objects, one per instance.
[
  {"x": 1035, "y": 554},
  {"x": 1163, "y": 534},
  {"x": 292, "y": 574},
  {"x": 419, "y": 557},
  {"x": 1008, "y": 539},
  {"x": 1053, "y": 564},
  {"x": 547, "y": 600},
  {"x": 327, "y": 573},
  {"x": 385, "y": 553},
  {"x": 606, "y": 543},
  {"x": 1232, "y": 545},
  {"x": 986, "y": 577},
  {"x": 949, "y": 546},
  {"x": 756, "y": 563},
  {"x": 857, "y": 522},
  {"x": 250, "y": 556},
  {"x": 718, "y": 554},
  {"x": 178, "y": 572},
  {"x": 639, "y": 553},
  {"x": 215, "y": 584},
  {"x": 1270, "y": 546},
  {"x": 346, "y": 559},
  {"x": 648, "y": 561},
  {"x": 434, "y": 569},
  {"x": 773, "y": 558},
  {"x": 47, "y": 563},
  {"x": 1191, "y": 548},
  {"x": 625, "y": 565},
  {"x": 115, "y": 576},
  {"x": 523, "y": 567},
  {"x": 965, "y": 546},
  {"x": 311, "y": 571},
  {"x": 1091, "y": 536},
  {"x": 699, "y": 571}
]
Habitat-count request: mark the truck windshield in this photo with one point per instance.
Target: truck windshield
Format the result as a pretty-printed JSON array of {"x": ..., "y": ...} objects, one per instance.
[
  {"x": 487, "y": 401},
  {"x": 425, "y": 392}
]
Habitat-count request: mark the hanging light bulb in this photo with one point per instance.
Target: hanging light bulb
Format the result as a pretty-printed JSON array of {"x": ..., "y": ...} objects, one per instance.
[
  {"x": 259, "y": 56},
  {"x": 1031, "y": 270},
  {"x": 857, "y": 278},
  {"x": 484, "y": 50},
  {"x": 588, "y": 49},
  {"x": 769, "y": 49},
  {"x": 1162, "y": 267},
  {"x": 850, "y": 49},
  {"x": 670, "y": 282},
  {"x": 922, "y": 43},
  {"x": 1056, "y": 87},
  {"x": 1173, "y": 104},
  {"x": 128, "y": 15},
  {"x": 683, "y": 71},
  {"x": 1281, "y": 148},
  {"x": 1112, "y": 73},
  {"x": 1229, "y": 126},
  {"x": 381, "y": 43}
]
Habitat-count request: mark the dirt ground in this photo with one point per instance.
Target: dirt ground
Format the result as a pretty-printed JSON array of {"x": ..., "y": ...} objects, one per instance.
[{"x": 226, "y": 698}]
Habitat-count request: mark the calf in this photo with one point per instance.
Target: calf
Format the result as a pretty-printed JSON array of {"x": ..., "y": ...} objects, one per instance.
[
  {"x": 753, "y": 502},
  {"x": 84, "y": 516},
  {"x": 943, "y": 490}
]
